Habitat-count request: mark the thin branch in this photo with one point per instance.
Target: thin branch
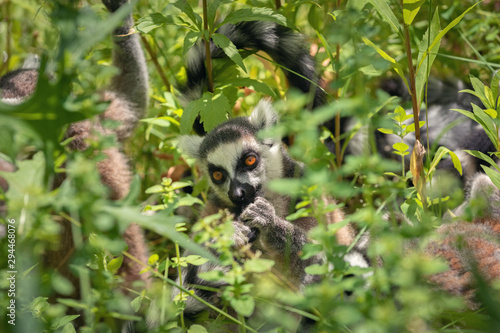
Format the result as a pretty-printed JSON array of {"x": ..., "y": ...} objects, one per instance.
[
  {"x": 207, "y": 48},
  {"x": 154, "y": 58}
]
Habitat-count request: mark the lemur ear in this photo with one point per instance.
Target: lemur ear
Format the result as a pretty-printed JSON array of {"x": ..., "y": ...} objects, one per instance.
[
  {"x": 190, "y": 145},
  {"x": 263, "y": 115}
]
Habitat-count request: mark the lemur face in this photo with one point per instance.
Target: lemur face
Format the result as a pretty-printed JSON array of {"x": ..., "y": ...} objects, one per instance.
[{"x": 238, "y": 163}]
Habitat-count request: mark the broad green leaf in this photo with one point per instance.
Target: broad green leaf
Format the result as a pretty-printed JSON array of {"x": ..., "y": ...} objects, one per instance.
[
  {"x": 229, "y": 49},
  {"x": 64, "y": 321},
  {"x": 136, "y": 303},
  {"x": 382, "y": 7},
  {"x": 441, "y": 152},
  {"x": 385, "y": 130},
  {"x": 400, "y": 148},
  {"x": 254, "y": 14},
  {"x": 395, "y": 65},
  {"x": 152, "y": 21},
  {"x": 244, "y": 305},
  {"x": 184, "y": 7},
  {"x": 490, "y": 112},
  {"x": 410, "y": 10},
  {"x": 68, "y": 328},
  {"x": 424, "y": 70},
  {"x": 197, "y": 329},
  {"x": 215, "y": 275},
  {"x": 258, "y": 265},
  {"x": 196, "y": 260},
  {"x": 411, "y": 128},
  {"x": 479, "y": 90},
  {"x": 155, "y": 189},
  {"x": 443, "y": 32},
  {"x": 317, "y": 269},
  {"x": 153, "y": 259},
  {"x": 494, "y": 176},
  {"x": 456, "y": 162},
  {"x": 214, "y": 111},
  {"x": 487, "y": 124},
  {"x": 483, "y": 157},
  {"x": 494, "y": 86},
  {"x": 191, "y": 38},
  {"x": 310, "y": 249},
  {"x": 256, "y": 85}
]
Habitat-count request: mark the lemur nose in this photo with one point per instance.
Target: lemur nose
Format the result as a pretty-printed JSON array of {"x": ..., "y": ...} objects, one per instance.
[{"x": 240, "y": 194}]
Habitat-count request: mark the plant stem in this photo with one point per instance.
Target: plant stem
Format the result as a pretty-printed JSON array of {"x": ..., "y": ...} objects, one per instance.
[
  {"x": 278, "y": 4},
  {"x": 178, "y": 255},
  {"x": 337, "y": 117},
  {"x": 154, "y": 58},
  {"x": 413, "y": 94},
  {"x": 207, "y": 47}
]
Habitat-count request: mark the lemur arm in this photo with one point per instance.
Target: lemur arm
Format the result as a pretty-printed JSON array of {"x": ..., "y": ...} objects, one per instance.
[{"x": 280, "y": 239}]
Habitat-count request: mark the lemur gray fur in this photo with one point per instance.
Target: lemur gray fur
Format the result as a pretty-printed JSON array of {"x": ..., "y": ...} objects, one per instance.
[
  {"x": 443, "y": 96},
  {"x": 128, "y": 97},
  {"x": 239, "y": 164}
]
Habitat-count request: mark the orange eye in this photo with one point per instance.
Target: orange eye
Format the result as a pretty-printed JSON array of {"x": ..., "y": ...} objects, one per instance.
[
  {"x": 250, "y": 160},
  {"x": 217, "y": 175}
]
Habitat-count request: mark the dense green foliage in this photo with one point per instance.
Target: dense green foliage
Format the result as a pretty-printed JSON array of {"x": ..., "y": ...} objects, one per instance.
[{"x": 73, "y": 41}]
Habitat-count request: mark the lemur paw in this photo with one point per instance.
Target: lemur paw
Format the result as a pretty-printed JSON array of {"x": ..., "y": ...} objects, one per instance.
[
  {"x": 259, "y": 214},
  {"x": 240, "y": 236}
]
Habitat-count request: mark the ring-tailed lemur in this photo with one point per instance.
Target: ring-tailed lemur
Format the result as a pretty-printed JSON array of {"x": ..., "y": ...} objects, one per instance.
[
  {"x": 470, "y": 248},
  {"x": 128, "y": 97},
  {"x": 239, "y": 166}
]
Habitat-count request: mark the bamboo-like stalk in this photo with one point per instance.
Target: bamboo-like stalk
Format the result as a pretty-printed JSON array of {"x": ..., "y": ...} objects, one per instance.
[
  {"x": 207, "y": 48},
  {"x": 278, "y": 4}
]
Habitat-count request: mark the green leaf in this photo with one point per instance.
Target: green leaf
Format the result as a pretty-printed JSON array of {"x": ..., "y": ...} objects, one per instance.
[
  {"x": 443, "y": 32},
  {"x": 382, "y": 7},
  {"x": 441, "y": 152},
  {"x": 410, "y": 10},
  {"x": 214, "y": 110},
  {"x": 214, "y": 275},
  {"x": 483, "y": 157},
  {"x": 479, "y": 89},
  {"x": 184, "y": 7},
  {"x": 254, "y": 14},
  {"x": 317, "y": 269},
  {"x": 68, "y": 328},
  {"x": 244, "y": 305},
  {"x": 395, "y": 65},
  {"x": 494, "y": 175},
  {"x": 197, "y": 329},
  {"x": 191, "y": 38},
  {"x": 152, "y": 21},
  {"x": 115, "y": 264},
  {"x": 385, "y": 130},
  {"x": 256, "y": 85},
  {"x": 258, "y": 265},
  {"x": 136, "y": 303},
  {"x": 196, "y": 260},
  {"x": 229, "y": 49},
  {"x": 155, "y": 189},
  {"x": 153, "y": 259},
  {"x": 424, "y": 70},
  {"x": 64, "y": 321},
  {"x": 400, "y": 148}
]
